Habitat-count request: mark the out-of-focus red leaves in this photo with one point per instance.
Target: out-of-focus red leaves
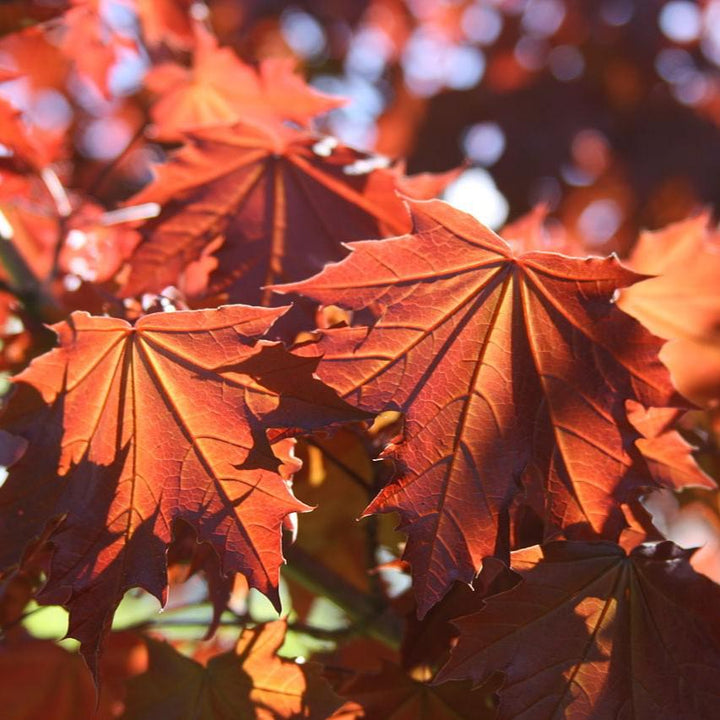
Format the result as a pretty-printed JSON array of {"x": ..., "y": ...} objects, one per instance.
[
  {"x": 221, "y": 89},
  {"x": 92, "y": 43},
  {"x": 683, "y": 302}
]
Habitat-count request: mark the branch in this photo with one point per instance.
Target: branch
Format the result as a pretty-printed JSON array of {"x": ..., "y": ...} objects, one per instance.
[
  {"x": 362, "y": 609},
  {"x": 335, "y": 460}
]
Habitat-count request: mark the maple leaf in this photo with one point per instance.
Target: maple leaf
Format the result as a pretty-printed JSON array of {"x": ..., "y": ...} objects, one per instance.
[
  {"x": 593, "y": 632},
  {"x": 511, "y": 370},
  {"x": 532, "y": 232},
  {"x": 36, "y": 59},
  {"x": 128, "y": 428},
  {"x": 220, "y": 88},
  {"x": 428, "y": 642},
  {"x": 92, "y": 249},
  {"x": 393, "y": 695},
  {"x": 281, "y": 205},
  {"x": 249, "y": 682},
  {"x": 683, "y": 303},
  {"x": 666, "y": 452}
]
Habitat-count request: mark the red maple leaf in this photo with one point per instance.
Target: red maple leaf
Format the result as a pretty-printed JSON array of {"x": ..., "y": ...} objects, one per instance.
[
  {"x": 591, "y": 632},
  {"x": 682, "y": 303},
  {"x": 220, "y": 88},
  {"x": 128, "y": 428},
  {"x": 512, "y": 371},
  {"x": 394, "y": 695},
  {"x": 250, "y": 681},
  {"x": 269, "y": 206}
]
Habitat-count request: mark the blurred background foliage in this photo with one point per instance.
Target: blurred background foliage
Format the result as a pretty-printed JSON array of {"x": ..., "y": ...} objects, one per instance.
[{"x": 605, "y": 111}]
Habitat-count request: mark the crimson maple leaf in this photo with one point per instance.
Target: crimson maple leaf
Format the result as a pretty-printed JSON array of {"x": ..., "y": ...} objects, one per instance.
[
  {"x": 269, "y": 205},
  {"x": 220, "y": 88},
  {"x": 128, "y": 428},
  {"x": 668, "y": 455},
  {"x": 593, "y": 633},
  {"x": 682, "y": 304},
  {"x": 249, "y": 682},
  {"x": 512, "y": 371},
  {"x": 393, "y": 695}
]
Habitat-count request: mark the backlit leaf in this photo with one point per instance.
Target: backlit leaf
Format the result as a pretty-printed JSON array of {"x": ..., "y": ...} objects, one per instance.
[
  {"x": 128, "y": 428},
  {"x": 593, "y": 633},
  {"x": 512, "y": 371},
  {"x": 251, "y": 682}
]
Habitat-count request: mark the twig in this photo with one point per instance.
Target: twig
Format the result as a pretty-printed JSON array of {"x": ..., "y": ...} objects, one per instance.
[
  {"x": 242, "y": 621},
  {"x": 106, "y": 171},
  {"x": 361, "y": 608},
  {"x": 335, "y": 460}
]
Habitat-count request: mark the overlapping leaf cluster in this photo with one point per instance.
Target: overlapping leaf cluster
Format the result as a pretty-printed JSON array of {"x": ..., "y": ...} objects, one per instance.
[{"x": 530, "y": 415}]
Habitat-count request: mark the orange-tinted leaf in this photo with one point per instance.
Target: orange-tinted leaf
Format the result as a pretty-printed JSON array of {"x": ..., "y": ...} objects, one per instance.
[
  {"x": 424, "y": 186},
  {"x": 251, "y": 683},
  {"x": 683, "y": 302},
  {"x": 131, "y": 427},
  {"x": 640, "y": 527},
  {"x": 667, "y": 454},
  {"x": 220, "y": 88},
  {"x": 35, "y": 58},
  {"x": 510, "y": 369},
  {"x": 283, "y": 206},
  {"x": 393, "y": 695},
  {"x": 593, "y": 633}
]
